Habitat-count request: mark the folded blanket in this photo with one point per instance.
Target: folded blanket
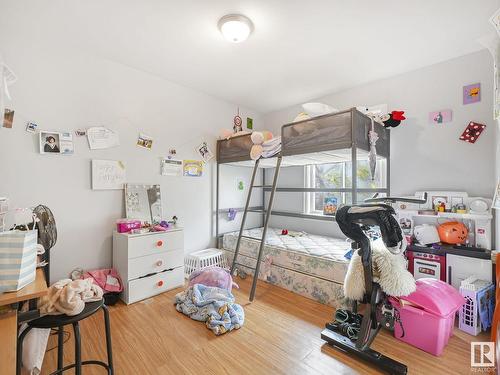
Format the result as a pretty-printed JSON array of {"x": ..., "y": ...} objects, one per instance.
[
  {"x": 69, "y": 296},
  {"x": 212, "y": 305},
  {"x": 271, "y": 147}
]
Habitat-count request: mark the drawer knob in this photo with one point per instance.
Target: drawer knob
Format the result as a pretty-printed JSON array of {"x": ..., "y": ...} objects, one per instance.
[
  {"x": 159, "y": 263},
  {"x": 159, "y": 243},
  {"x": 160, "y": 283}
]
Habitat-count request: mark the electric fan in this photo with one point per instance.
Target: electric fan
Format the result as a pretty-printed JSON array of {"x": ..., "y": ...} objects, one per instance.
[{"x": 47, "y": 232}]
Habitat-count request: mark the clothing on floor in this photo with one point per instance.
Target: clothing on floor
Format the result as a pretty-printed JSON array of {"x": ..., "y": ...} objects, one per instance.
[
  {"x": 69, "y": 296},
  {"x": 108, "y": 279},
  {"x": 34, "y": 347},
  {"x": 212, "y": 305}
]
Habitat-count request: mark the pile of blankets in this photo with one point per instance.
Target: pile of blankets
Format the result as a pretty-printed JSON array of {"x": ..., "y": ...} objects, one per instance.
[
  {"x": 271, "y": 147},
  {"x": 212, "y": 305},
  {"x": 69, "y": 296}
]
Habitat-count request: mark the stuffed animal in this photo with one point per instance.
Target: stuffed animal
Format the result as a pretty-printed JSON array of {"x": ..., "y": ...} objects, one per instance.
[
  {"x": 258, "y": 138},
  {"x": 213, "y": 276},
  {"x": 393, "y": 119},
  {"x": 227, "y": 133}
]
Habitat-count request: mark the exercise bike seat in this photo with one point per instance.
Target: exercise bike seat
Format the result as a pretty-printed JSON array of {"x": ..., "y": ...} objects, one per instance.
[{"x": 353, "y": 219}]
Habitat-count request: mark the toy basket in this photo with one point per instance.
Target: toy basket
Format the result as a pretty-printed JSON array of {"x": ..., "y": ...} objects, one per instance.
[
  {"x": 468, "y": 315},
  {"x": 202, "y": 259}
]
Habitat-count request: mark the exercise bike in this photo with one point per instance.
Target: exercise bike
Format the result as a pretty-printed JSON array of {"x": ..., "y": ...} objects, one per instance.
[{"x": 355, "y": 222}]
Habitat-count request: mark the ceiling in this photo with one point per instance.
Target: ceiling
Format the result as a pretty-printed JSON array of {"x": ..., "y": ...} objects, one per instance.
[{"x": 299, "y": 50}]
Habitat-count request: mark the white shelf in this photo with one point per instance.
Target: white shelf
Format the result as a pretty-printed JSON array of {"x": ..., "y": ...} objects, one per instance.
[{"x": 450, "y": 215}]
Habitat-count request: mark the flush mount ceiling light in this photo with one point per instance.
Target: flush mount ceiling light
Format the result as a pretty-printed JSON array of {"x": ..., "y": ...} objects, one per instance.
[{"x": 235, "y": 27}]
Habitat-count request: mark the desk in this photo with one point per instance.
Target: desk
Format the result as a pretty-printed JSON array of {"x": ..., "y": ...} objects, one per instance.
[{"x": 8, "y": 319}]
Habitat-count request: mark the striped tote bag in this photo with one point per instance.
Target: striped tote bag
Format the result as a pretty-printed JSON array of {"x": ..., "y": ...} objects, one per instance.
[{"x": 18, "y": 258}]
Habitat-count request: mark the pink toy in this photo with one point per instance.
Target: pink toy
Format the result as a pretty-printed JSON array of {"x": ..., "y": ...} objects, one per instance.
[
  {"x": 126, "y": 225},
  {"x": 428, "y": 315},
  {"x": 213, "y": 276}
]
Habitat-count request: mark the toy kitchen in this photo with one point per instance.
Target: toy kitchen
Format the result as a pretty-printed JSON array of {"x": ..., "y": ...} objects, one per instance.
[{"x": 449, "y": 237}]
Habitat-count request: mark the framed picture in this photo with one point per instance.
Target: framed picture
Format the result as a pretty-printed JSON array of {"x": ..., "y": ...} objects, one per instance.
[
  {"x": 472, "y": 93},
  {"x": 330, "y": 205},
  {"x": 406, "y": 223},
  {"x": 440, "y": 117}
]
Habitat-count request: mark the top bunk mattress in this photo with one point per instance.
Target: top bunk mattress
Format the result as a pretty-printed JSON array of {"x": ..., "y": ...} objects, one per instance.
[{"x": 319, "y": 256}]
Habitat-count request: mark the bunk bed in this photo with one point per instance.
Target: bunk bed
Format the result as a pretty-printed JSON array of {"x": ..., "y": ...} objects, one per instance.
[{"x": 310, "y": 265}]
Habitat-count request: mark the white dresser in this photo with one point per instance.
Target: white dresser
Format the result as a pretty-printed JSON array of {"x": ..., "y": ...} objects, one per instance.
[{"x": 149, "y": 263}]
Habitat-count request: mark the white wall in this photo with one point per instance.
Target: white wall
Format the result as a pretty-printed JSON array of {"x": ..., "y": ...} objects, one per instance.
[
  {"x": 425, "y": 156},
  {"x": 61, "y": 89},
  {"x": 231, "y": 197}
]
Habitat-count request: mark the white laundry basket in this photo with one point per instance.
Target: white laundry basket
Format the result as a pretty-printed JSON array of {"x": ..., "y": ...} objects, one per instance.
[{"x": 202, "y": 259}]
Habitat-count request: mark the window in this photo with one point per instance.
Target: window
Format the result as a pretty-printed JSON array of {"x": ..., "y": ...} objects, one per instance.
[{"x": 339, "y": 176}]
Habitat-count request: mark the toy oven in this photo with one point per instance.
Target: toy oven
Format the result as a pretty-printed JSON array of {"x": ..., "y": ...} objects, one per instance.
[{"x": 426, "y": 265}]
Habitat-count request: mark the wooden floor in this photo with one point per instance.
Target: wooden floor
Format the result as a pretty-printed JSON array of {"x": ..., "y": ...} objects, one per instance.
[{"x": 281, "y": 335}]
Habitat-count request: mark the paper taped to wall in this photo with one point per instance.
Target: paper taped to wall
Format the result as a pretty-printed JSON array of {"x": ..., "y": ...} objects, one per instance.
[
  {"x": 100, "y": 138},
  {"x": 171, "y": 167},
  {"x": 108, "y": 174}
]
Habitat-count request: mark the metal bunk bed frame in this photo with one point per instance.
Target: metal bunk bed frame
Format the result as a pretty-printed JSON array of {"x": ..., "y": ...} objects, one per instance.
[{"x": 359, "y": 126}]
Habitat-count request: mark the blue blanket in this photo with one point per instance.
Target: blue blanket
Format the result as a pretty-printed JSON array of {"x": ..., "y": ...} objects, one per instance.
[{"x": 214, "y": 306}]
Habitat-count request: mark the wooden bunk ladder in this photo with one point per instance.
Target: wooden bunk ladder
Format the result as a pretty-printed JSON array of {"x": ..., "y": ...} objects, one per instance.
[{"x": 267, "y": 213}]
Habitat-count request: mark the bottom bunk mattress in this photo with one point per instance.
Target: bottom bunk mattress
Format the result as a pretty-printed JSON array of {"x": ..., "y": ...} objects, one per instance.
[{"x": 310, "y": 265}]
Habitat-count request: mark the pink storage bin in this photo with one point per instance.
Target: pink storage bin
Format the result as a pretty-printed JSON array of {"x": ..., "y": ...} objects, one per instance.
[
  {"x": 428, "y": 316},
  {"x": 126, "y": 225}
]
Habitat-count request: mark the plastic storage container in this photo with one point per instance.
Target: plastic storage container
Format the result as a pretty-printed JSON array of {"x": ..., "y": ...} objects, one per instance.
[
  {"x": 428, "y": 315},
  {"x": 201, "y": 259},
  {"x": 126, "y": 225}
]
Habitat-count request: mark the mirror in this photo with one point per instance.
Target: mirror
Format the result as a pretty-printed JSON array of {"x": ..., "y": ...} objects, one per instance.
[{"x": 143, "y": 202}]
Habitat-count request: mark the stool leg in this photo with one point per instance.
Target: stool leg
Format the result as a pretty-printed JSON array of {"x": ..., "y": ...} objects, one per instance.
[
  {"x": 109, "y": 347},
  {"x": 78, "y": 349},
  {"x": 19, "y": 350},
  {"x": 60, "y": 348}
]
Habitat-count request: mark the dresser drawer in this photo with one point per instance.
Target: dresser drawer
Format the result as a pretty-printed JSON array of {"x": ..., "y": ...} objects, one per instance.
[
  {"x": 155, "y": 243},
  {"x": 145, "y": 265},
  {"x": 146, "y": 287}
]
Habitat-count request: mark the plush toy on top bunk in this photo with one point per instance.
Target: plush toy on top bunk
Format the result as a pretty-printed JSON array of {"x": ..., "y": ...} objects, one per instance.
[
  {"x": 378, "y": 113},
  {"x": 264, "y": 145}
]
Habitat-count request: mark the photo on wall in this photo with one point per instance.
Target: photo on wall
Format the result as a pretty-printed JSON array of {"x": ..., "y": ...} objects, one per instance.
[
  {"x": 204, "y": 151},
  {"x": 440, "y": 117},
  {"x": 52, "y": 142},
  {"x": 8, "y": 118},
  {"x": 49, "y": 143},
  {"x": 145, "y": 141}
]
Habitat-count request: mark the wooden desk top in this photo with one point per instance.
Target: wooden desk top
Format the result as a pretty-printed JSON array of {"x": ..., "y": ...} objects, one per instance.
[{"x": 36, "y": 289}]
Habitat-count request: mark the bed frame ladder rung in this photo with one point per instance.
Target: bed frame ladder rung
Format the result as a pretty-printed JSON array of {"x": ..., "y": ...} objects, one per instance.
[{"x": 267, "y": 213}]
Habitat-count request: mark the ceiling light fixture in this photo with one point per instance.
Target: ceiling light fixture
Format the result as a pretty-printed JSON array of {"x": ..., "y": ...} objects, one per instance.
[{"x": 235, "y": 27}]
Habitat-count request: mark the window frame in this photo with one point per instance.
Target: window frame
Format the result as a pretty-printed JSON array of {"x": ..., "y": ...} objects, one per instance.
[{"x": 310, "y": 179}]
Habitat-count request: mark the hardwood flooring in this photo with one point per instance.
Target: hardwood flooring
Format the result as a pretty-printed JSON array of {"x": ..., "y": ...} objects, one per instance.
[{"x": 281, "y": 335}]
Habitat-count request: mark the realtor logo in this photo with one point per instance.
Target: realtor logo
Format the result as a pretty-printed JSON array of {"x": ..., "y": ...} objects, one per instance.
[{"x": 482, "y": 354}]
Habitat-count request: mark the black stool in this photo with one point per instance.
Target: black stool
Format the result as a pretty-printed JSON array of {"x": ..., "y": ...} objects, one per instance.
[{"x": 58, "y": 322}]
